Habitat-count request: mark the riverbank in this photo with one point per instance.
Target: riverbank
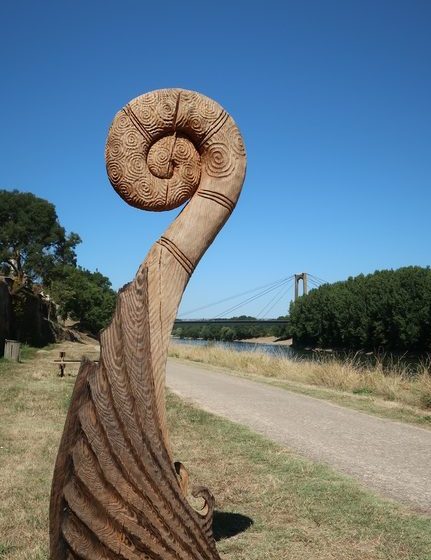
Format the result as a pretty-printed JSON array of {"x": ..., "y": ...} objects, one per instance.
[
  {"x": 286, "y": 507},
  {"x": 392, "y": 394},
  {"x": 273, "y": 340},
  {"x": 267, "y": 340}
]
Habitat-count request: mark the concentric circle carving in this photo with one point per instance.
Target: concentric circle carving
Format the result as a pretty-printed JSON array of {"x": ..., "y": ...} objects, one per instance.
[
  {"x": 161, "y": 145},
  {"x": 160, "y": 158},
  {"x": 220, "y": 161}
]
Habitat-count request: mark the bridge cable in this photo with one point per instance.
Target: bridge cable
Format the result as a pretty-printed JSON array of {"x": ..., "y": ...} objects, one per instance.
[
  {"x": 282, "y": 295},
  {"x": 314, "y": 283},
  {"x": 271, "y": 303},
  {"x": 264, "y": 287},
  {"x": 250, "y": 299},
  {"x": 268, "y": 303},
  {"x": 319, "y": 280}
]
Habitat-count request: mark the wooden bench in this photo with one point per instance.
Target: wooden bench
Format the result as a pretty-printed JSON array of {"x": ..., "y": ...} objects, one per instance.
[{"x": 62, "y": 361}]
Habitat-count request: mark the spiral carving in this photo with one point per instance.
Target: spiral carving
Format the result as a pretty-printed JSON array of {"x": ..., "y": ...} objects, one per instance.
[
  {"x": 117, "y": 494},
  {"x": 161, "y": 143}
]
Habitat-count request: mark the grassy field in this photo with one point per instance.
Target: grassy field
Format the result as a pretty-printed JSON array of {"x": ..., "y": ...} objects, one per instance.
[
  {"x": 393, "y": 394},
  {"x": 271, "y": 504}
]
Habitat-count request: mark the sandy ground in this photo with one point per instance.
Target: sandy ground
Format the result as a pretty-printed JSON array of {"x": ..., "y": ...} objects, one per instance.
[{"x": 269, "y": 340}]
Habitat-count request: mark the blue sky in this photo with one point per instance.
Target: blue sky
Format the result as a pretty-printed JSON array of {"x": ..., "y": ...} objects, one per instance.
[{"x": 333, "y": 99}]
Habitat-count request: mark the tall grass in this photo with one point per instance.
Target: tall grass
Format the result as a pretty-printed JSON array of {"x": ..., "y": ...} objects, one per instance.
[{"x": 348, "y": 374}]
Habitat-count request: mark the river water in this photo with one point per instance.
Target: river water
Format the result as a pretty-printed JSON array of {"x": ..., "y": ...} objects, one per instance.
[
  {"x": 390, "y": 362},
  {"x": 273, "y": 349}
]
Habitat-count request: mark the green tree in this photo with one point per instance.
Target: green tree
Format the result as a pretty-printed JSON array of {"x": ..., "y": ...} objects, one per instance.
[
  {"x": 178, "y": 331},
  {"x": 389, "y": 309},
  {"x": 84, "y": 296},
  {"x": 32, "y": 241},
  {"x": 205, "y": 333},
  {"x": 227, "y": 334}
]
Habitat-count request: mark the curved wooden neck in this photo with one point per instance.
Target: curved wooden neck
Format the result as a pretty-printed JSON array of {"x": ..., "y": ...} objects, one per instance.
[{"x": 115, "y": 486}]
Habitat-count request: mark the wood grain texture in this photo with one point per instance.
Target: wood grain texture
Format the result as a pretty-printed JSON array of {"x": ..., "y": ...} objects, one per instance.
[{"x": 117, "y": 492}]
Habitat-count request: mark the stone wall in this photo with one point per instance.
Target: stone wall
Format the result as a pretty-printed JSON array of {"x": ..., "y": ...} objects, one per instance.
[
  {"x": 5, "y": 314},
  {"x": 27, "y": 316},
  {"x": 31, "y": 322}
]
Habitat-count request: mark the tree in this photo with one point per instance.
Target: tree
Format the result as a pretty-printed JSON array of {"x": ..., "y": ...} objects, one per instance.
[
  {"x": 32, "y": 241},
  {"x": 178, "y": 331},
  {"x": 227, "y": 334},
  {"x": 84, "y": 296},
  {"x": 389, "y": 309}
]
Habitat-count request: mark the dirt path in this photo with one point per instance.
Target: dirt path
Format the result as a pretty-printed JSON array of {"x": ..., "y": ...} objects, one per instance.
[{"x": 392, "y": 458}]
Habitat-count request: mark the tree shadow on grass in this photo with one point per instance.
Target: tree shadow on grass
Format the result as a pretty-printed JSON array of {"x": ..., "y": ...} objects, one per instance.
[{"x": 227, "y": 524}]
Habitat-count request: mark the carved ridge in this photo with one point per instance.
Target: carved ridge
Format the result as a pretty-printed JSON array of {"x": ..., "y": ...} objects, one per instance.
[
  {"x": 160, "y": 496},
  {"x": 119, "y": 518},
  {"x": 75, "y": 531},
  {"x": 86, "y": 465},
  {"x": 136, "y": 491},
  {"x": 137, "y": 123},
  {"x": 216, "y": 126},
  {"x": 163, "y": 494},
  {"x": 182, "y": 259},
  {"x": 220, "y": 198}
]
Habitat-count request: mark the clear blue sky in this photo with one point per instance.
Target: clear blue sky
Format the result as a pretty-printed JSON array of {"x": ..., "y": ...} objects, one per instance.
[{"x": 333, "y": 99}]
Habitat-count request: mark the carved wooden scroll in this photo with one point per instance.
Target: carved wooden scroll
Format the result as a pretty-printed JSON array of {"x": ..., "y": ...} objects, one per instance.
[{"x": 116, "y": 492}]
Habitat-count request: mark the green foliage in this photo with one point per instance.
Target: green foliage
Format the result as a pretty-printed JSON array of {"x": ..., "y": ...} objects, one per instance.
[
  {"x": 35, "y": 246},
  {"x": 84, "y": 296},
  {"x": 227, "y": 334},
  {"x": 32, "y": 241},
  {"x": 235, "y": 331},
  {"x": 390, "y": 310}
]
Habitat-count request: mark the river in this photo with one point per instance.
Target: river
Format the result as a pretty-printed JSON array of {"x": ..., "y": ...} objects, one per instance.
[
  {"x": 240, "y": 346},
  {"x": 409, "y": 364}
]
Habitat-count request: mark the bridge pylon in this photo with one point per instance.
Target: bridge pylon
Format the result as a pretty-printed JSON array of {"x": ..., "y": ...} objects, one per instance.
[{"x": 302, "y": 276}]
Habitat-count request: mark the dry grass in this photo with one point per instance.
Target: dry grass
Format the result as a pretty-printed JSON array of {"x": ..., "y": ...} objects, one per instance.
[
  {"x": 298, "y": 509},
  {"x": 33, "y": 404},
  {"x": 348, "y": 376}
]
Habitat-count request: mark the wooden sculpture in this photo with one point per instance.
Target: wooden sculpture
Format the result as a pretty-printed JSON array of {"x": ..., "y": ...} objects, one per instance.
[{"x": 116, "y": 492}]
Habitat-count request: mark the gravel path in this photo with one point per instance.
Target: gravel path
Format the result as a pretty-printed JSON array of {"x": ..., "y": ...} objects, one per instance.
[{"x": 392, "y": 458}]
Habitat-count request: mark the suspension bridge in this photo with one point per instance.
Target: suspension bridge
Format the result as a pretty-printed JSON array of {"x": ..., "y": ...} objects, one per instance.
[{"x": 271, "y": 295}]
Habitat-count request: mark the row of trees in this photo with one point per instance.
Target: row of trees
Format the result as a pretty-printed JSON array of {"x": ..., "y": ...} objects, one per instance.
[
  {"x": 35, "y": 249},
  {"x": 390, "y": 309},
  {"x": 236, "y": 331}
]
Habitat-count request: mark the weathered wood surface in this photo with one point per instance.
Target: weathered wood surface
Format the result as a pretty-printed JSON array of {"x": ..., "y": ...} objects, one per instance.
[
  {"x": 12, "y": 350},
  {"x": 116, "y": 492}
]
